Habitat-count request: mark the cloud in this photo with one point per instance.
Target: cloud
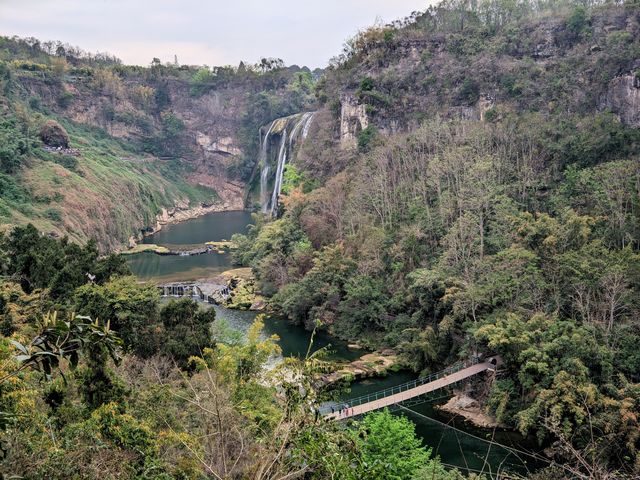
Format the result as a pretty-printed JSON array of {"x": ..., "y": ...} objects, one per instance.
[{"x": 200, "y": 31}]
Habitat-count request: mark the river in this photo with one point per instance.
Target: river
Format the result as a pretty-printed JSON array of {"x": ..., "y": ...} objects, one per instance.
[{"x": 462, "y": 446}]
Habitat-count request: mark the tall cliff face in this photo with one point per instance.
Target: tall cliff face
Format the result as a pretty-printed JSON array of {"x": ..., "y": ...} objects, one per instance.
[
  {"x": 462, "y": 65},
  {"x": 353, "y": 120},
  {"x": 623, "y": 98}
]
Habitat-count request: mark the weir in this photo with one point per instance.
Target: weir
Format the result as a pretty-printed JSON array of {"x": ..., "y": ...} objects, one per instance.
[
  {"x": 203, "y": 291},
  {"x": 292, "y": 130}
]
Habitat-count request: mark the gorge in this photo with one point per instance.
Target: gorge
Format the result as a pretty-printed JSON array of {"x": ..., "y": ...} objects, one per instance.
[{"x": 456, "y": 186}]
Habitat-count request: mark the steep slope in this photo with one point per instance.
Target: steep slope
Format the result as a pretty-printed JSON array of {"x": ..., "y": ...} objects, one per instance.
[{"x": 470, "y": 186}]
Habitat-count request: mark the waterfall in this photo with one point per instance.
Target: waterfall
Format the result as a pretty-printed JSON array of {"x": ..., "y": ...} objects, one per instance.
[
  {"x": 291, "y": 129},
  {"x": 282, "y": 160},
  {"x": 264, "y": 165}
]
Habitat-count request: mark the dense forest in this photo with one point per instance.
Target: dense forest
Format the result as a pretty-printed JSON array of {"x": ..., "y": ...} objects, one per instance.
[
  {"x": 491, "y": 205},
  {"x": 470, "y": 186}
]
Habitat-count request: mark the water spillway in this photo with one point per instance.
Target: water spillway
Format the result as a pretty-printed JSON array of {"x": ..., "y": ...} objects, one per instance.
[{"x": 283, "y": 136}]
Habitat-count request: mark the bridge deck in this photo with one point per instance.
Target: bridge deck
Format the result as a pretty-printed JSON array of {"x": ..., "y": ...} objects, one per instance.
[{"x": 411, "y": 393}]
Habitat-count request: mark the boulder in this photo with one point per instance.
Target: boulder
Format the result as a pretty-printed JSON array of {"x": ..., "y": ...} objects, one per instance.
[{"x": 54, "y": 135}]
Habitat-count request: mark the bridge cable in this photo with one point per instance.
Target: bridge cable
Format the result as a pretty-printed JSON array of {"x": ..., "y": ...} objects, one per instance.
[{"x": 512, "y": 449}]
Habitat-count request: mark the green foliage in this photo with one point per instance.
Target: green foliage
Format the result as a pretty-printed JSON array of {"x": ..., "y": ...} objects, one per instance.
[
  {"x": 131, "y": 309},
  {"x": 187, "y": 329},
  {"x": 578, "y": 20},
  {"x": 65, "y": 99},
  {"x": 367, "y": 138},
  {"x": 388, "y": 447},
  {"x": 65, "y": 340},
  {"x": 291, "y": 179},
  {"x": 15, "y": 144},
  {"x": 38, "y": 261},
  {"x": 169, "y": 142},
  {"x": 201, "y": 81},
  {"x": 469, "y": 92}
]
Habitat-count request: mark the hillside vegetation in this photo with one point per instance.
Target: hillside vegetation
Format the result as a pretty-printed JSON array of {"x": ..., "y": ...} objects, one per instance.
[
  {"x": 139, "y": 138},
  {"x": 481, "y": 194}
]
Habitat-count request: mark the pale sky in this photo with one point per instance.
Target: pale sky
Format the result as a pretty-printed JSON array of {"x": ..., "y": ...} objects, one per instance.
[{"x": 202, "y": 32}]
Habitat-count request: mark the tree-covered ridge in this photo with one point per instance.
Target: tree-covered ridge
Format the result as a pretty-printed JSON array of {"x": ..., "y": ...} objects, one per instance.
[{"x": 492, "y": 205}]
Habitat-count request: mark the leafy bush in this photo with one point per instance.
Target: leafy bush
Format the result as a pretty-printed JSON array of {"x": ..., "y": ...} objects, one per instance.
[
  {"x": 15, "y": 144},
  {"x": 65, "y": 99},
  {"x": 366, "y": 138}
]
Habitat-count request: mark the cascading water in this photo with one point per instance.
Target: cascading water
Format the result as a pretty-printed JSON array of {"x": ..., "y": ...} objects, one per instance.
[
  {"x": 291, "y": 129},
  {"x": 282, "y": 160},
  {"x": 264, "y": 165}
]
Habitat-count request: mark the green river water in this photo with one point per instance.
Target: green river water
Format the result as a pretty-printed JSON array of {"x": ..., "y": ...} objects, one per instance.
[{"x": 463, "y": 446}]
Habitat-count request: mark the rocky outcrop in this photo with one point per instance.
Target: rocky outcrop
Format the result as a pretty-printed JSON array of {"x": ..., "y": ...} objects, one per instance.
[
  {"x": 623, "y": 99},
  {"x": 353, "y": 119},
  {"x": 222, "y": 145},
  {"x": 473, "y": 112},
  {"x": 469, "y": 408},
  {"x": 370, "y": 365}
]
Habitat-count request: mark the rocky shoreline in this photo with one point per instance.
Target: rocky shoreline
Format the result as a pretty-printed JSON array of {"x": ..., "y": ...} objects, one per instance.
[{"x": 471, "y": 410}]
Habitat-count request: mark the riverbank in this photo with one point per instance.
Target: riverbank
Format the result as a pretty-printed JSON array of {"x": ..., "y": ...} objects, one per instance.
[
  {"x": 375, "y": 364},
  {"x": 471, "y": 410}
]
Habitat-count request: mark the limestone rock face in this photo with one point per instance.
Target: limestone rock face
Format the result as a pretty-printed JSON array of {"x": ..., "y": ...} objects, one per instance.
[
  {"x": 623, "y": 99},
  {"x": 222, "y": 145},
  {"x": 353, "y": 119}
]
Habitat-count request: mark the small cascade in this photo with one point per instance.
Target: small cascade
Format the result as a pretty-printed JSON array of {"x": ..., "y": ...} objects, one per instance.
[{"x": 291, "y": 130}]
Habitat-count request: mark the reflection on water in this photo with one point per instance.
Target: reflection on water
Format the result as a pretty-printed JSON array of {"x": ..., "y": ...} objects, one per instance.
[
  {"x": 294, "y": 339},
  {"x": 212, "y": 227},
  {"x": 171, "y": 268}
]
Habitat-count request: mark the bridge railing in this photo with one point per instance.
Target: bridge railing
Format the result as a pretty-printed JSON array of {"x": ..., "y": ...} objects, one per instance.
[{"x": 354, "y": 402}]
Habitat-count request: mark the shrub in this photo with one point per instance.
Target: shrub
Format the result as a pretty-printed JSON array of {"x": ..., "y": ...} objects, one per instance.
[
  {"x": 14, "y": 144},
  {"x": 367, "y": 84},
  {"x": 65, "y": 99},
  {"x": 53, "y": 214},
  {"x": 469, "y": 91},
  {"x": 366, "y": 138}
]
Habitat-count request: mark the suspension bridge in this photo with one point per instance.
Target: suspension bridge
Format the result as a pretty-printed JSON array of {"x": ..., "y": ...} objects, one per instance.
[{"x": 409, "y": 390}]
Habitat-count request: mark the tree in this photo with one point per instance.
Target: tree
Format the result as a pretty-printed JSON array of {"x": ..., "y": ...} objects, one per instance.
[
  {"x": 187, "y": 329},
  {"x": 132, "y": 310},
  {"x": 388, "y": 447},
  {"x": 15, "y": 144},
  {"x": 64, "y": 340}
]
